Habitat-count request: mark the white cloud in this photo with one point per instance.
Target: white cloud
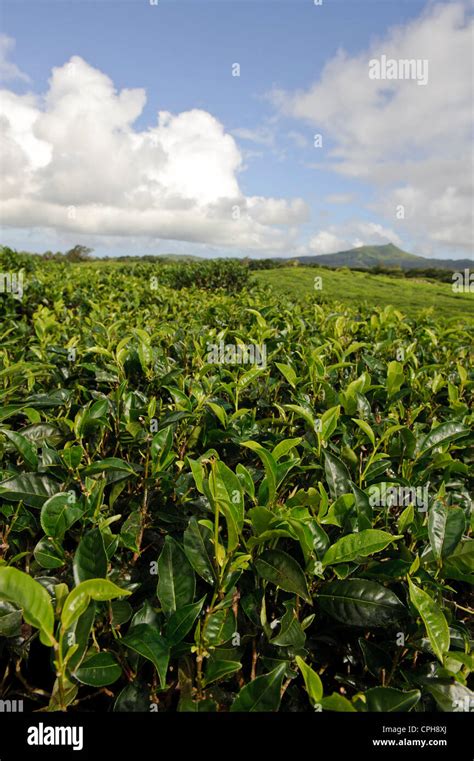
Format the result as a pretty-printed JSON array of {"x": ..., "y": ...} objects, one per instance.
[
  {"x": 9, "y": 70},
  {"x": 298, "y": 138},
  {"x": 339, "y": 198},
  {"x": 74, "y": 162},
  {"x": 276, "y": 211},
  {"x": 351, "y": 235},
  {"x": 327, "y": 242},
  {"x": 260, "y": 135},
  {"x": 411, "y": 143}
]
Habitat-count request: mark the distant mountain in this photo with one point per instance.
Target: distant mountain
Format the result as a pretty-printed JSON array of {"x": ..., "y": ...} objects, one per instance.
[
  {"x": 180, "y": 257},
  {"x": 384, "y": 256}
]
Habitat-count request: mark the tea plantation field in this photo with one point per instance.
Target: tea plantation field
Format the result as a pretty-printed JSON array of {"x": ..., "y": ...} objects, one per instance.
[
  {"x": 184, "y": 530},
  {"x": 356, "y": 288}
]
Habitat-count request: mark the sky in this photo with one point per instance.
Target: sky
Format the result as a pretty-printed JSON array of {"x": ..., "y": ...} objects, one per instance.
[{"x": 236, "y": 128}]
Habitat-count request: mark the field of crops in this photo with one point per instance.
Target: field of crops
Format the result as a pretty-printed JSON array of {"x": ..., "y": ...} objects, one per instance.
[
  {"x": 356, "y": 288},
  {"x": 221, "y": 496}
]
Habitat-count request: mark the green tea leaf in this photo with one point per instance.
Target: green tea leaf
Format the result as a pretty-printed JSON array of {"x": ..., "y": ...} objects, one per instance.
[
  {"x": 219, "y": 627},
  {"x": 406, "y": 519},
  {"x": 442, "y": 434},
  {"x": 263, "y": 694},
  {"x": 284, "y": 447},
  {"x": 33, "y": 489},
  {"x": 338, "y": 703},
  {"x": 59, "y": 513},
  {"x": 312, "y": 681},
  {"x": 337, "y": 476},
  {"x": 90, "y": 559},
  {"x": 146, "y": 641},
  {"x": 456, "y": 698},
  {"x": 48, "y": 554},
  {"x": 181, "y": 621},
  {"x": 176, "y": 580},
  {"x": 25, "y": 447},
  {"x": 362, "y": 544},
  {"x": 198, "y": 549},
  {"x": 77, "y": 635},
  {"x": 33, "y": 599},
  {"x": 288, "y": 373},
  {"x": 78, "y": 600},
  {"x": 269, "y": 464},
  {"x": 217, "y": 669},
  {"x": 395, "y": 377},
  {"x": 10, "y": 619},
  {"x": 445, "y": 529},
  {"x": 99, "y": 670},
  {"x": 329, "y": 420},
  {"x": 283, "y": 571},
  {"x": 433, "y": 618},
  {"x": 359, "y": 602},
  {"x": 390, "y": 700},
  {"x": 364, "y": 426}
]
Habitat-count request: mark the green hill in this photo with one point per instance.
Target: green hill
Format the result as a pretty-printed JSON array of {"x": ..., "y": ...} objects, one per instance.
[
  {"x": 383, "y": 256},
  {"x": 355, "y": 288}
]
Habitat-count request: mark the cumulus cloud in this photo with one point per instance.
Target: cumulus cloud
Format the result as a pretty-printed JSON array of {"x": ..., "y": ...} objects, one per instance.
[
  {"x": 351, "y": 235},
  {"x": 410, "y": 142},
  {"x": 73, "y": 161}
]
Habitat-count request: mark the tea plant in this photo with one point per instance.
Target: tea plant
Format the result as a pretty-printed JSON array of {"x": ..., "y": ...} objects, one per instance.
[{"x": 182, "y": 535}]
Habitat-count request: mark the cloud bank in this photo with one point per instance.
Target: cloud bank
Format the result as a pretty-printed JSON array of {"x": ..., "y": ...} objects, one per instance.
[
  {"x": 72, "y": 160},
  {"x": 410, "y": 144}
]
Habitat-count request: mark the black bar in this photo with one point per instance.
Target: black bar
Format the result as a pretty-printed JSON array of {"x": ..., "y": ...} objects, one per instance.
[{"x": 133, "y": 736}]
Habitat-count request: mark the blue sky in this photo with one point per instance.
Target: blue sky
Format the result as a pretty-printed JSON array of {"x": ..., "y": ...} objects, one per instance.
[{"x": 180, "y": 54}]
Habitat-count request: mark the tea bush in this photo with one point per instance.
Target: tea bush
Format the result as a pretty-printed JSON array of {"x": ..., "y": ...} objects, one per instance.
[
  {"x": 229, "y": 275},
  {"x": 178, "y": 534}
]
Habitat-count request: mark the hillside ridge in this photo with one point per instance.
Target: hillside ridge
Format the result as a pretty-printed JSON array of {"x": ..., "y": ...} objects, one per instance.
[{"x": 387, "y": 255}]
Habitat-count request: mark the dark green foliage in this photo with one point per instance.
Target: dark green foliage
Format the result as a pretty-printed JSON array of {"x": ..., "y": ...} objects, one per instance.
[
  {"x": 226, "y": 274},
  {"x": 217, "y": 537}
]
